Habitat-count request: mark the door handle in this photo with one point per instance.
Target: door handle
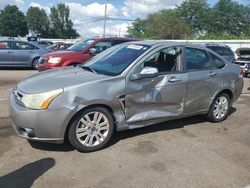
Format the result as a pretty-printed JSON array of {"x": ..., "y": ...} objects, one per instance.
[
  {"x": 10, "y": 52},
  {"x": 212, "y": 74},
  {"x": 32, "y": 52},
  {"x": 174, "y": 79}
]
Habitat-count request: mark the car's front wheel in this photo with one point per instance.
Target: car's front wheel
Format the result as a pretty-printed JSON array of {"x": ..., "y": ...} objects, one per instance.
[
  {"x": 91, "y": 129},
  {"x": 219, "y": 108}
]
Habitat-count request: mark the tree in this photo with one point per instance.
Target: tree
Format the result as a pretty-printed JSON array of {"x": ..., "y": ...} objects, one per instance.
[
  {"x": 164, "y": 24},
  {"x": 61, "y": 24},
  {"x": 228, "y": 18},
  {"x": 38, "y": 21},
  {"x": 12, "y": 22},
  {"x": 194, "y": 13},
  {"x": 138, "y": 28}
]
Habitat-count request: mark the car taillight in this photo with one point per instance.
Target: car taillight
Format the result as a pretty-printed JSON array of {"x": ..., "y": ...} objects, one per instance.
[{"x": 241, "y": 72}]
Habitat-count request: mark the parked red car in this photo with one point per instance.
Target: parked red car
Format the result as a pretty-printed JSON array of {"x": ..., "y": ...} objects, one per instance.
[{"x": 79, "y": 52}]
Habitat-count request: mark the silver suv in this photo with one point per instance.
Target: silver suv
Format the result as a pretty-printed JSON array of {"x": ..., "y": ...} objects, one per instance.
[{"x": 128, "y": 86}]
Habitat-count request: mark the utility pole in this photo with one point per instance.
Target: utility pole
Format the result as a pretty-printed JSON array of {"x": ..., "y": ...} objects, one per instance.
[
  {"x": 105, "y": 18},
  {"x": 119, "y": 32}
]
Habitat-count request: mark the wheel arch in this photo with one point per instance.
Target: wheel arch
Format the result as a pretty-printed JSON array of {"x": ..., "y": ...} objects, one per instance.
[
  {"x": 86, "y": 108},
  {"x": 226, "y": 91}
]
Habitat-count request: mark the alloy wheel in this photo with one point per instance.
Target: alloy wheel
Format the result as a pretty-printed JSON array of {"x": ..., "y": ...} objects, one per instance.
[
  {"x": 92, "y": 129},
  {"x": 220, "y": 107}
]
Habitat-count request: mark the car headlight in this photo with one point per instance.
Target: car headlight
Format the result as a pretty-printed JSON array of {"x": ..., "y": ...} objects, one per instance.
[
  {"x": 40, "y": 101},
  {"x": 54, "y": 60}
]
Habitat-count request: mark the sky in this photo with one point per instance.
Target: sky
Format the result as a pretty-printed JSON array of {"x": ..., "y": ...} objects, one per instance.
[{"x": 87, "y": 15}]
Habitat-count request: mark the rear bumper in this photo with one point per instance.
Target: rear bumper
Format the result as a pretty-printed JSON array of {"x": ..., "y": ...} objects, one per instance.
[{"x": 238, "y": 89}]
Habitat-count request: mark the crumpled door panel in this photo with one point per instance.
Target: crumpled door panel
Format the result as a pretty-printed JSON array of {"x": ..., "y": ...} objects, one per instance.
[{"x": 155, "y": 98}]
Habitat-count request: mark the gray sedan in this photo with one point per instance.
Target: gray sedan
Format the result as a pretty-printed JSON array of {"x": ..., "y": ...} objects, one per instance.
[
  {"x": 128, "y": 86},
  {"x": 14, "y": 53}
]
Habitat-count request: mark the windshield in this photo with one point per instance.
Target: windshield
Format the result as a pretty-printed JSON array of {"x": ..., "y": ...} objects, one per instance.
[
  {"x": 81, "y": 45},
  {"x": 114, "y": 61}
]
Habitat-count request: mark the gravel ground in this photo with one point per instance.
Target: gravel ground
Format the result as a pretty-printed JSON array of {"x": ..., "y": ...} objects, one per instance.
[{"x": 183, "y": 153}]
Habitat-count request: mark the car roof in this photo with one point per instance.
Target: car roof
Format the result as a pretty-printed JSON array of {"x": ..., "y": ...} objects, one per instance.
[
  {"x": 111, "y": 38},
  {"x": 217, "y": 45},
  {"x": 156, "y": 43},
  {"x": 13, "y": 40}
]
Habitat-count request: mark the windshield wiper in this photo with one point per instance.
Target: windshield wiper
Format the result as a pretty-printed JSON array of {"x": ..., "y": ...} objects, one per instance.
[{"x": 88, "y": 68}]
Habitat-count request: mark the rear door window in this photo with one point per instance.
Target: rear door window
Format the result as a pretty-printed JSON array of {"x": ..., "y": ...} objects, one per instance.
[
  {"x": 218, "y": 63},
  {"x": 102, "y": 45},
  {"x": 197, "y": 59},
  {"x": 23, "y": 46}
]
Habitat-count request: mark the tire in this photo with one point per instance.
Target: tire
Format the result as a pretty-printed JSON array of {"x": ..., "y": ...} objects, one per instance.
[
  {"x": 35, "y": 63},
  {"x": 219, "y": 109},
  {"x": 91, "y": 130}
]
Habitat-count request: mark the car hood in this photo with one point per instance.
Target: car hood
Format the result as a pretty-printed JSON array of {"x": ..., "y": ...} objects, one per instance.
[
  {"x": 61, "y": 54},
  {"x": 58, "y": 78}
]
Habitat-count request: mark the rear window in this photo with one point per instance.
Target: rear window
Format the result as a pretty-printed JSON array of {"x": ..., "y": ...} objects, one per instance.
[
  {"x": 81, "y": 45},
  {"x": 223, "y": 51}
]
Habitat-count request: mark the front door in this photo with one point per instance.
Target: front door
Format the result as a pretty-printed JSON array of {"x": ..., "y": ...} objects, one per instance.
[{"x": 161, "y": 97}]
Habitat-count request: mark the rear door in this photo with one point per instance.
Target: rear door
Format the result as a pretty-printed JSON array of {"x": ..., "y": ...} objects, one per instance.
[
  {"x": 6, "y": 53},
  {"x": 204, "y": 80},
  {"x": 24, "y": 53}
]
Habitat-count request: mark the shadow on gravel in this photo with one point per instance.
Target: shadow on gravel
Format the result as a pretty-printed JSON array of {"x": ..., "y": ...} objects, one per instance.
[
  {"x": 25, "y": 176},
  {"x": 66, "y": 147},
  {"x": 15, "y": 68},
  {"x": 174, "y": 124}
]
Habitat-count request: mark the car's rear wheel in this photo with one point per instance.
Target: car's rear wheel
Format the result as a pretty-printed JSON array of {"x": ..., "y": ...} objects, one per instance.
[
  {"x": 220, "y": 108},
  {"x": 35, "y": 64},
  {"x": 91, "y": 130}
]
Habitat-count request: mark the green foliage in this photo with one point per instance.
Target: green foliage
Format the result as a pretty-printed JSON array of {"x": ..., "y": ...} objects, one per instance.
[
  {"x": 61, "y": 24},
  {"x": 164, "y": 24},
  {"x": 195, "y": 19},
  {"x": 138, "y": 29},
  {"x": 38, "y": 21},
  {"x": 12, "y": 22},
  {"x": 228, "y": 17},
  {"x": 194, "y": 13}
]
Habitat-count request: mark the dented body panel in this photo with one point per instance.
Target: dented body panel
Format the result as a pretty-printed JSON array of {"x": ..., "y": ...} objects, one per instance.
[{"x": 155, "y": 98}]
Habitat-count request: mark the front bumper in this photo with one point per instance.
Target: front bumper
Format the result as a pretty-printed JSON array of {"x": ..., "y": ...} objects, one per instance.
[{"x": 39, "y": 125}]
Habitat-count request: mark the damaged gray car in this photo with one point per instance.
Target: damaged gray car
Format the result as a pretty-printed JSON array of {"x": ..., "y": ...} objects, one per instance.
[{"x": 128, "y": 86}]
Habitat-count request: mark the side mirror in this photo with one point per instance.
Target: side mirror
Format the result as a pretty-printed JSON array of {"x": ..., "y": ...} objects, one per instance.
[
  {"x": 147, "y": 72},
  {"x": 92, "y": 51}
]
